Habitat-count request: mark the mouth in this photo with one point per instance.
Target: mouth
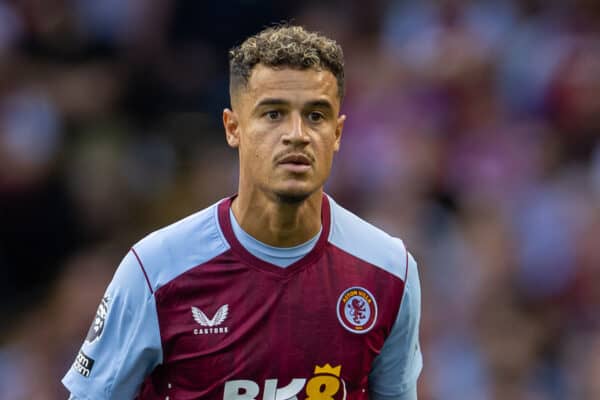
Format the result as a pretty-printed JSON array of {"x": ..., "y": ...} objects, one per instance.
[{"x": 295, "y": 162}]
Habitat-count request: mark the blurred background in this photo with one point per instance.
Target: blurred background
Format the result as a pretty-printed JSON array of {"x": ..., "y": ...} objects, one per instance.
[{"x": 473, "y": 133}]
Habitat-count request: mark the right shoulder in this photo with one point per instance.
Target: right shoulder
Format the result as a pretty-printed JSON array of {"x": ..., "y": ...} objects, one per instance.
[{"x": 169, "y": 252}]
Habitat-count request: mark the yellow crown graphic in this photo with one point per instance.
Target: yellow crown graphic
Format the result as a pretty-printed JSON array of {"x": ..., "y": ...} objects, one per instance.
[{"x": 328, "y": 369}]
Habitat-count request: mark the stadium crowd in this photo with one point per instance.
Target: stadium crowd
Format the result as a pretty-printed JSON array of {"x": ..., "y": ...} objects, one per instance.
[{"x": 473, "y": 133}]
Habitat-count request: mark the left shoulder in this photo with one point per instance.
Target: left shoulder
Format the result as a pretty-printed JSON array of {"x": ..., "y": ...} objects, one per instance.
[{"x": 367, "y": 242}]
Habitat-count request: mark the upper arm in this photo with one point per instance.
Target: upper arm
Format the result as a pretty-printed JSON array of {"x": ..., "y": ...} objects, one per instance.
[
  {"x": 396, "y": 369},
  {"x": 123, "y": 345}
]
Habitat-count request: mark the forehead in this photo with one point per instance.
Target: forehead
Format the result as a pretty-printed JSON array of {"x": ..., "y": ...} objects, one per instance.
[{"x": 291, "y": 84}]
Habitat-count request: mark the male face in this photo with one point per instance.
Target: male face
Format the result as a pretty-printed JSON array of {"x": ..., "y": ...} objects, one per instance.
[{"x": 286, "y": 124}]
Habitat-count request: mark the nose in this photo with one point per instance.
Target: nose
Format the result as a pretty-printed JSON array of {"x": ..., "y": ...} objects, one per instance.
[{"x": 295, "y": 131}]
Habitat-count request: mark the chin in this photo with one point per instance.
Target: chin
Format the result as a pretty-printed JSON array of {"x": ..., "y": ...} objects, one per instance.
[
  {"x": 293, "y": 196},
  {"x": 288, "y": 198},
  {"x": 295, "y": 191}
]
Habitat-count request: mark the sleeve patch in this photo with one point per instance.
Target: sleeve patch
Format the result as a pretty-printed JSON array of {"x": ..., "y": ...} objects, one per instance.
[
  {"x": 83, "y": 364},
  {"x": 98, "y": 322}
]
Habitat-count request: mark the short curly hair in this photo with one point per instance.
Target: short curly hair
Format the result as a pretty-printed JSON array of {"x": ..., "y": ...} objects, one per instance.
[{"x": 285, "y": 46}]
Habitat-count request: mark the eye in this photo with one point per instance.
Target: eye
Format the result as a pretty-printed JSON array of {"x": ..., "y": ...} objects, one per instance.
[
  {"x": 315, "y": 116},
  {"x": 273, "y": 115}
]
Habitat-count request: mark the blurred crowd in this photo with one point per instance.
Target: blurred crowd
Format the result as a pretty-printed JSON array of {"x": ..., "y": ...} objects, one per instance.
[{"x": 473, "y": 133}]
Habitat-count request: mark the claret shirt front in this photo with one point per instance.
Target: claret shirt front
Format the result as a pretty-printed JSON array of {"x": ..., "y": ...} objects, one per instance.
[{"x": 192, "y": 314}]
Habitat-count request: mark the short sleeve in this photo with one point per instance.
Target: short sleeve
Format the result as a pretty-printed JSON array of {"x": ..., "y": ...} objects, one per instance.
[
  {"x": 123, "y": 344},
  {"x": 396, "y": 369}
]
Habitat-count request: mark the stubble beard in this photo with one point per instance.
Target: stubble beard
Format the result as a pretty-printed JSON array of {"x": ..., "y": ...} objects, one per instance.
[{"x": 292, "y": 199}]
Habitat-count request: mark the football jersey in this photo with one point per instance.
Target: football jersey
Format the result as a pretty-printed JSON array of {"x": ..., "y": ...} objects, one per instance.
[
  {"x": 280, "y": 256},
  {"x": 192, "y": 314}
]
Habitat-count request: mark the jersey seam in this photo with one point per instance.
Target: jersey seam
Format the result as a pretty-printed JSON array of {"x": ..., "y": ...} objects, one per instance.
[
  {"x": 224, "y": 241},
  {"x": 143, "y": 270},
  {"x": 406, "y": 383},
  {"x": 368, "y": 262},
  {"x": 333, "y": 216},
  {"x": 222, "y": 248},
  {"x": 406, "y": 270},
  {"x": 167, "y": 248},
  {"x": 110, "y": 384}
]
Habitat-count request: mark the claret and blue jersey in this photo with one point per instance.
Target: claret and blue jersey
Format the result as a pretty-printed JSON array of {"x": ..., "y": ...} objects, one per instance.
[{"x": 192, "y": 314}]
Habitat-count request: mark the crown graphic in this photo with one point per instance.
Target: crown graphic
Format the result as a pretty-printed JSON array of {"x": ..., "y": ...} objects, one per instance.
[{"x": 328, "y": 369}]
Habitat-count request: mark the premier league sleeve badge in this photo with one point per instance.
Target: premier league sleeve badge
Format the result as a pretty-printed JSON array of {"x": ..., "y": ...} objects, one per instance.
[{"x": 98, "y": 323}]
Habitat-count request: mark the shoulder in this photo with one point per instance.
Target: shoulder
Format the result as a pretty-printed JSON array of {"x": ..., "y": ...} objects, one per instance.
[
  {"x": 367, "y": 242},
  {"x": 176, "y": 248}
]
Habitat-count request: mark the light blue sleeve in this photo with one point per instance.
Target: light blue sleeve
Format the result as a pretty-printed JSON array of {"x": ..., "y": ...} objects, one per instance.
[
  {"x": 123, "y": 345},
  {"x": 396, "y": 369}
]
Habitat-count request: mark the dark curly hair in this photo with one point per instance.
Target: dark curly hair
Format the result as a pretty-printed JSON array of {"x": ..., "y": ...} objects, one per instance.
[{"x": 285, "y": 46}]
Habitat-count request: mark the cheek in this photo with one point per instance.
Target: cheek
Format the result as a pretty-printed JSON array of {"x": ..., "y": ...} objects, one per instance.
[
  {"x": 250, "y": 143},
  {"x": 256, "y": 153},
  {"x": 328, "y": 146}
]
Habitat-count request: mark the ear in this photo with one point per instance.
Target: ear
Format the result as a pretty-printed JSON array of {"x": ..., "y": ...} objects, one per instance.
[
  {"x": 232, "y": 127},
  {"x": 338, "y": 131}
]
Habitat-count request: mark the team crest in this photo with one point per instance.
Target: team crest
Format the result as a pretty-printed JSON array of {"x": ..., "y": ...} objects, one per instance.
[
  {"x": 98, "y": 323},
  {"x": 357, "y": 310}
]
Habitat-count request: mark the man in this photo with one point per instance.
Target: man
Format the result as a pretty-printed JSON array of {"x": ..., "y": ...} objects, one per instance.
[{"x": 277, "y": 292}]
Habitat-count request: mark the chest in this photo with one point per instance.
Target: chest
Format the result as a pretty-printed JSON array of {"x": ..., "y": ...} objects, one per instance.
[{"x": 230, "y": 330}]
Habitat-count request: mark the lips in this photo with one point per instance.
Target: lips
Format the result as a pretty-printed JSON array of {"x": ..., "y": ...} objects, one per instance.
[
  {"x": 296, "y": 163},
  {"x": 297, "y": 159}
]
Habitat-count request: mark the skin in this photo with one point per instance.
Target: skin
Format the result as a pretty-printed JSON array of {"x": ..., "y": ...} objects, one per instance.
[{"x": 283, "y": 113}]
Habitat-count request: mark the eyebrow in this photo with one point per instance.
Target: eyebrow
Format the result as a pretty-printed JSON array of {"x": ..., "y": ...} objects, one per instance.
[
  {"x": 320, "y": 104},
  {"x": 271, "y": 102},
  {"x": 280, "y": 102}
]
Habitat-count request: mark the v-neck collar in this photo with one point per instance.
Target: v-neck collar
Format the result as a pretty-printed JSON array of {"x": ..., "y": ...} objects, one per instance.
[{"x": 246, "y": 256}]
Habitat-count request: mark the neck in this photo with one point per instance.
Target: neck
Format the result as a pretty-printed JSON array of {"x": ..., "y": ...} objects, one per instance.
[{"x": 275, "y": 220}]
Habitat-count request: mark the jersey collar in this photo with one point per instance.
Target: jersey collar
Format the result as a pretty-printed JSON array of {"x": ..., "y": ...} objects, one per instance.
[{"x": 251, "y": 259}]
